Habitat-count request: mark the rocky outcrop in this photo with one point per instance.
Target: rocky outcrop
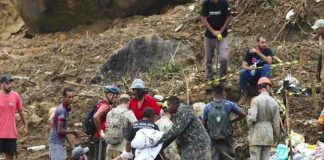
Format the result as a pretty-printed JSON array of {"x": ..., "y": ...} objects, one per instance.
[
  {"x": 143, "y": 54},
  {"x": 55, "y": 15}
]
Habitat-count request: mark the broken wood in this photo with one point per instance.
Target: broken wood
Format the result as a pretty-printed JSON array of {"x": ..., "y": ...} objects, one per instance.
[{"x": 76, "y": 84}]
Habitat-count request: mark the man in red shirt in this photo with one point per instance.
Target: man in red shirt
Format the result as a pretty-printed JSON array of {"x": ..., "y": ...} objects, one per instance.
[
  {"x": 103, "y": 107},
  {"x": 142, "y": 100},
  {"x": 10, "y": 101}
]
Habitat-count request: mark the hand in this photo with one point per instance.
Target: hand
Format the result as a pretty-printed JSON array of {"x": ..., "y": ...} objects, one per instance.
[
  {"x": 252, "y": 67},
  {"x": 26, "y": 129},
  {"x": 126, "y": 155},
  {"x": 215, "y": 33},
  {"x": 102, "y": 134},
  {"x": 253, "y": 50}
]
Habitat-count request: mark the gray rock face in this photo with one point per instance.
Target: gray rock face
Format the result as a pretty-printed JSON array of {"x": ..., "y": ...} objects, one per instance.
[
  {"x": 142, "y": 54},
  {"x": 55, "y": 15}
]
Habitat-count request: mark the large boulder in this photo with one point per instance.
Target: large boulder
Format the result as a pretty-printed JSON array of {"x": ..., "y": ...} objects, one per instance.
[
  {"x": 142, "y": 54},
  {"x": 55, "y": 15},
  {"x": 10, "y": 21}
]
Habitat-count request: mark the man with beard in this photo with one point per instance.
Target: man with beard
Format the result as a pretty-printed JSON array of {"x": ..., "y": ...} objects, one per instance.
[
  {"x": 10, "y": 101},
  {"x": 141, "y": 100},
  {"x": 59, "y": 129},
  {"x": 103, "y": 107},
  {"x": 256, "y": 64}
]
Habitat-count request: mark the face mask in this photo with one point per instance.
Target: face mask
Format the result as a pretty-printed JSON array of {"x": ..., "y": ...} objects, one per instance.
[{"x": 139, "y": 94}]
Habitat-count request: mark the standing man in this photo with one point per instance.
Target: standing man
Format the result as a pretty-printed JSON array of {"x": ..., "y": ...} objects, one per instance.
[
  {"x": 147, "y": 122},
  {"x": 318, "y": 28},
  {"x": 165, "y": 124},
  {"x": 118, "y": 122},
  {"x": 216, "y": 118},
  {"x": 216, "y": 15},
  {"x": 10, "y": 101},
  {"x": 192, "y": 137},
  {"x": 142, "y": 100},
  {"x": 58, "y": 129},
  {"x": 264, "y": 121},
  {"x": 256, "y": 64},
  {"x": 103, "y": 107}
]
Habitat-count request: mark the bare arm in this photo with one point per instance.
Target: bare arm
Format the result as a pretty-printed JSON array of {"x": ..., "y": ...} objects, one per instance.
[
  {"x": 266, "y": 59},
  {"x": 226, "y": 24},
  {"x": 240, "y": 116},
  {"x": 23, "y": 117},
  {"x": 208, "y": 26},
  {"x": 102, "y": 111},
  {"x": 62, "y": 131},
  {"x": 246, "y": 66}
]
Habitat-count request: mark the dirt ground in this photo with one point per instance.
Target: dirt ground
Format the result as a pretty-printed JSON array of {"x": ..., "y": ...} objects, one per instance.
[{"x": 73, "y": 58}]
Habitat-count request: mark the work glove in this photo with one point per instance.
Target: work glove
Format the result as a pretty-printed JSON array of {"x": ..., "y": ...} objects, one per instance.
[
  {"x": 102, "y": 134},
  {"x": 126, "y": 155},
  {"x": 219, "y": 37}
]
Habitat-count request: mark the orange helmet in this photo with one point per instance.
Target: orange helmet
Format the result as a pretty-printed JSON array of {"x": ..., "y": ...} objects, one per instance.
[{"x": 264, "y": 80}]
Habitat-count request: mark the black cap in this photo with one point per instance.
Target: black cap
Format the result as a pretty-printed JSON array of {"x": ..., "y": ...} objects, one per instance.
[
  {"x": 4, "y": 79},
  {"x": 218, "y": 89},
  {"x": 148, "y": 112}
]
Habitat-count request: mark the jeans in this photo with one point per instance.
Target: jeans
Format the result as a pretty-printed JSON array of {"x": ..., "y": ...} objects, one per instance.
[
  {"x": 246, "y": 77},
  {"x": 210, "y": 46},
  {"x": 57, "y": 152},
  {"x": 223, "y": 150}
]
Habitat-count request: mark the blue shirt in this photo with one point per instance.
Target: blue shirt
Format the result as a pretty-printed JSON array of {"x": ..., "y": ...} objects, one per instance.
[
  {"x": 61, "y": 114},
  {"x": 230, "y": 107}
]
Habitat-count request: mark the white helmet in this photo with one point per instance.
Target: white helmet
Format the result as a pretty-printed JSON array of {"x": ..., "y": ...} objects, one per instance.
[{"x": 138, "y": 83}]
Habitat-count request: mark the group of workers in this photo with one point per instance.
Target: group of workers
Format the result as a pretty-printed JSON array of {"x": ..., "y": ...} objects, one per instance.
[{"x": 185, "y": 135}]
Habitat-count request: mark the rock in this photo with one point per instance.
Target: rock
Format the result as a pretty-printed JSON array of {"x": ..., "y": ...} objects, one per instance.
[
  {"x": 142, "y": 54},
  {"x": 35, "y": 119},
  {"x": 51, "y": 15},
  {"x": 10, "y": 22}
]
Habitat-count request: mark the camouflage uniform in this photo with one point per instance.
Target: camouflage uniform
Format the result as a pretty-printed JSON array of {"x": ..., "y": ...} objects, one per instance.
[{"x": 192, "y": 137}]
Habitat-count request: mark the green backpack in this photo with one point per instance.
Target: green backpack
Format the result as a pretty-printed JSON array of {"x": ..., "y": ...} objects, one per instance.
[
  {"x": 219, "y": 123},
  {"x": 114, "y": 126}
]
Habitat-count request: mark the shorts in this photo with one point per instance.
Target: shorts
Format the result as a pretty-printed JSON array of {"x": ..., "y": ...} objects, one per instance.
[
  {"x": 8, "y": 146},
  {"x": 57, "y": 152}
]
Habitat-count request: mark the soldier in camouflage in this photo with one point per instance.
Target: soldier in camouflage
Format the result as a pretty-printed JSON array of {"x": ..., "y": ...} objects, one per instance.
[{"x": 192, "y": 137}]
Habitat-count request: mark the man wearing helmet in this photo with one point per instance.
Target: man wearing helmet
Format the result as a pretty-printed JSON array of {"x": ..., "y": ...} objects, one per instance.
[
  {"x": 140, "y": 101},
  {"x": 264, "y": 122},
  {"x": 103, "y": 107}
]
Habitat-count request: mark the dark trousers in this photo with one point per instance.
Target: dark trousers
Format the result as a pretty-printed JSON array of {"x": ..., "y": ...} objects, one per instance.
[
  {"x": 223, "y": 150},
  {"x": 103, "y": 144}
]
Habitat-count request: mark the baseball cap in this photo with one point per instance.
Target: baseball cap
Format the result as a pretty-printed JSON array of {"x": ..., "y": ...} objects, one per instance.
[
  {"x": 319, "y": 23},
  {"x": 79, "y": 151},
  {"x": 5, "y": 79}
]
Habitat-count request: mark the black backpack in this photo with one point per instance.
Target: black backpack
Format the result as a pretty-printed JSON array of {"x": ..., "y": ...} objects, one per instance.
[
  {"x": 219, "y": 123},
  {"x": 88, "y": 124}
]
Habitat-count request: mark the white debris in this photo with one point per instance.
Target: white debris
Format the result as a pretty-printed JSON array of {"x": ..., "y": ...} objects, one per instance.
[
  {"x": 36, "y": 148},
  {"x": 290, "y": 15}
]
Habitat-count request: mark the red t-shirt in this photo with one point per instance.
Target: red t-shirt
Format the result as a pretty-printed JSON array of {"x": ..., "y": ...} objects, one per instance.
[
  {"x": 8, "y": 106},
  {"x": 148, "y": 102},
  {"x": 103, "y": 119}
]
